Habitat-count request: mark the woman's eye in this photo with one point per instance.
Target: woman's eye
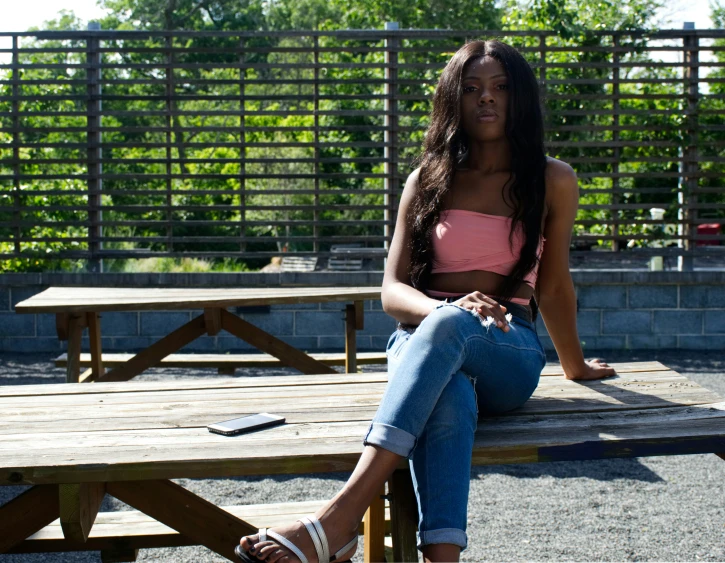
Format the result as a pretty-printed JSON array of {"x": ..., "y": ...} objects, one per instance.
[
  {"x": 503, "y": 86},
  {"x": 469, "y": 88}
]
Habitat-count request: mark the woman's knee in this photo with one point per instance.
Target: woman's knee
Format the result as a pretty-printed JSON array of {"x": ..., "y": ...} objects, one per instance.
[{"x": 446, "y": 320}]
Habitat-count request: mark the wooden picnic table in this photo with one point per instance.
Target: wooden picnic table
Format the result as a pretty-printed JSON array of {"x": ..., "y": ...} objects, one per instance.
[
  {"x": 76, "y": 443},
  {"x": 77, "y": 308}
]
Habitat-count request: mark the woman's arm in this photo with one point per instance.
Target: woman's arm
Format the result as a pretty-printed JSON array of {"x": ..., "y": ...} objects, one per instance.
[
  {"x": 400, "y": 300},
  {"x": 554, "y": 286}
]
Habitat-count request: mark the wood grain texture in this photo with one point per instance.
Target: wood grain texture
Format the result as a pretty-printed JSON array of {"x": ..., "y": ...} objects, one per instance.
[
  {"x": 196, "y": 518},
  {"x": 152, "y": 355},
  {"x": 212, "y": 320},
  {"x": 75, "y": 336},
  {"x": 79, "y": 504},
  {"x": 98, "y": 299},
  {"x": 26, "y": 514},
  {"x": 287, "y": 355}
]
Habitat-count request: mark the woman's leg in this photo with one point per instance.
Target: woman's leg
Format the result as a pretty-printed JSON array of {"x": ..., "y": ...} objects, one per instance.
[
  {"x": 432, "y": 356},
  {"x": 505, "y": 370},
  {"x": 441, "y": 471}
]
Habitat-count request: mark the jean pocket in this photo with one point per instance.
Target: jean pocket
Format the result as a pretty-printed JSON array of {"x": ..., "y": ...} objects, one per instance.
[{"x": 396, "y": 342}]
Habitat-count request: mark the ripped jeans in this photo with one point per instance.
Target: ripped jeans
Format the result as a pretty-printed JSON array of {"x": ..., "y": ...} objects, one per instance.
[{"x": 439, "y": 376}]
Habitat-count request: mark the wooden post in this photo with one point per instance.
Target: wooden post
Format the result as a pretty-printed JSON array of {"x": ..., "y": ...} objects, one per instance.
[
  {"x": 75, "y": 336},
  {"x": 170, "y": 108},
  {"x": 374, "y": 548},
  {"x": 79, "y": 504},
  {"x": 688, "y": 194},
  {"x": 350, "y": 340},
  {"x": 316, "y": 102},
  {"x": 94, "y": 336},
  {"x": 390, "y": 183},
  {"x": 403, "y": 516},
  {"x": 242, "y": 150},
  {"x": 94, "y": 154}
]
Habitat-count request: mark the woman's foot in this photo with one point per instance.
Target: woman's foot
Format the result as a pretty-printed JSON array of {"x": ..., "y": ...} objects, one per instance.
[{"x": 337, "y": 532}]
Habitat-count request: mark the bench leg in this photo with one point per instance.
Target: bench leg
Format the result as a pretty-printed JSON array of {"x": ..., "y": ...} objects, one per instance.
[
  {"x": 403, "y": 516},
  {"x": 26, "y": 514},
  {"x": 374, "y": 551},
  {"x": 197, "y": 519},
  {"x": 94, "y": 337},
  {"x": 76, "y": 323}
]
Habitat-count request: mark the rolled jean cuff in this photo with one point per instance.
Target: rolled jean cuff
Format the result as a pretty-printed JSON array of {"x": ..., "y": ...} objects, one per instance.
[
  {"x": 443, "y": 535},
  {"x": 391, "y": 438}
]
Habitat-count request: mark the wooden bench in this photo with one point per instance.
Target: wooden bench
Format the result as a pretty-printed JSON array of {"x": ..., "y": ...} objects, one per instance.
[
  {"x": 224, "y": 363},
  {"x": 75, "y": 444}
]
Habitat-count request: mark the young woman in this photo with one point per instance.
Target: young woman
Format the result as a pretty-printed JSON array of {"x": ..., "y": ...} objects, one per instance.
[{"x": 467, "y": 272}]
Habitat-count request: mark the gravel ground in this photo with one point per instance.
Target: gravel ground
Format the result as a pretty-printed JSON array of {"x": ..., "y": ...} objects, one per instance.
[{"x": 645, "y": 509}]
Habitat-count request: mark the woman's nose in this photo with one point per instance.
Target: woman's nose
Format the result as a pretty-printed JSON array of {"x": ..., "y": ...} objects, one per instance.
[{"x": 485, "y": 96}]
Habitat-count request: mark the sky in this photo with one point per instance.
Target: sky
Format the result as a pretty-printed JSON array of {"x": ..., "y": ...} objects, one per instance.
[{"x": 19, "y": 16}]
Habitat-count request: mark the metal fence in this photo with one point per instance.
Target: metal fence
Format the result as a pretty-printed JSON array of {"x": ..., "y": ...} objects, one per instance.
[{"x": 249, "y": 145}]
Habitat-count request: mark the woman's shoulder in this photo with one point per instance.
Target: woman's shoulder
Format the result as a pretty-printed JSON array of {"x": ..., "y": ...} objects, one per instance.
[
  {"x": 558, "y": 171},
  {"x": 561, "y": 183}
]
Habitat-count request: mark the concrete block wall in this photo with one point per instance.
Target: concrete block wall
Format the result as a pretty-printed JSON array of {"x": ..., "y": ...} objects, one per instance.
[{"x": 616, "y": 310}]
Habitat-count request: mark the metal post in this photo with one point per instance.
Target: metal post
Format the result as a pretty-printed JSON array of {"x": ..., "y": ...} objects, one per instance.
[
  {"x": 94, "y": 151},
  {"x": 687, "y": 196},
  {"x": 17, "y": 200},
  {"x": 316, "y": 101},
  {"x": 391, "y": 130},
  {"x": 242, "y": 151},
  {"x": 615, "y": 138}
]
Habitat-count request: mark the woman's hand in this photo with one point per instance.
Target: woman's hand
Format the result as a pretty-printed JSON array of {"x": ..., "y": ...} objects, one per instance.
[
  {"x": 593, "y": 369},
  {"x": 486, "y": 307}
]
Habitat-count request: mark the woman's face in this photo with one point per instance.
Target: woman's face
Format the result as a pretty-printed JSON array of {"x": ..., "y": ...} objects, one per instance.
[{"x": 484, "y": 99}]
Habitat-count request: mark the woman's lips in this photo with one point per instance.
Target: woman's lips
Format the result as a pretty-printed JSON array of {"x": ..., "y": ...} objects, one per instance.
[{"x": 486, "y": 117}]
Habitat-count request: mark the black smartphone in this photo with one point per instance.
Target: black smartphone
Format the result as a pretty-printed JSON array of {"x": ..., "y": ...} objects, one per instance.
[{"x": 245, "y": 424}]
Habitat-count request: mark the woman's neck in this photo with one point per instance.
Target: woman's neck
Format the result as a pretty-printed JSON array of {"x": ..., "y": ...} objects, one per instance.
[{"x": 489, "y": 157}]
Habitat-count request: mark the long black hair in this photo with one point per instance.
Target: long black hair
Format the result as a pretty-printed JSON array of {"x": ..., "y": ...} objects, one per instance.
[{"x": 446, "y": 147}]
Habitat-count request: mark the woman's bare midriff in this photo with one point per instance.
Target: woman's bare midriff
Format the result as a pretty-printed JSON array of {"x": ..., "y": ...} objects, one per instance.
[{"x": 476, "y": 280}]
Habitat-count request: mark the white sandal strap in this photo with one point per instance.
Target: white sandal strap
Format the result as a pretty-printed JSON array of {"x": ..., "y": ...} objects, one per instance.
[
  {"x": 323, "y": 538},
  {"x": 320, "y": 544},
  {"x": 346, "y": 548},
  {"x": 289, "y": 545},
  {"x": 263, "y": 534}
]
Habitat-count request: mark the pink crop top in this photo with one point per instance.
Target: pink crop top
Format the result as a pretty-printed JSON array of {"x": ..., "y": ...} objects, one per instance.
[{"x": 467, "y": 240}]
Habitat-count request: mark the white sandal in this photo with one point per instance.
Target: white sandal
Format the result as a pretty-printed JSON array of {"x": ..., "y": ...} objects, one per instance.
[{"x": 319, "y": 539}]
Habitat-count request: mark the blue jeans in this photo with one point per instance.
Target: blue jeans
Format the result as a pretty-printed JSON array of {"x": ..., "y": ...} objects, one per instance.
[{"x": 439, "y": 376}]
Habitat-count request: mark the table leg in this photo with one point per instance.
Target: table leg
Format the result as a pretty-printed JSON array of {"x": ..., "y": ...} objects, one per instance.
[
  {"x": 374, "y": 551},
  {"x": 75, "y": 336},
  {"x": 94, "y": 335},
  {"x": 403, "y": 516},
  {"x": 180, "y": 509},
  {"x": 26, "y": 514},
  {"x": 79, "y": 504},
  {"x": 354, "y": 321}
]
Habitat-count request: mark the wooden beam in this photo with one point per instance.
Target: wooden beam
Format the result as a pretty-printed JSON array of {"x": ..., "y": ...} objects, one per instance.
[
  {"x": 212, "y": 320},
  {"x": 359, "y": 315},
  {"x": 94, "y": 335},
  {"x": 350, "y": 339},
  {"x": 157, "y": 351},
  {"x": 374, "y": 539},
  {"x": 288, "y": 355},
  {"x": 61, "y": 325},
  {"x": 182, "y": 510},
  {"x": 403, "y": 516},
  {"x": 79, "y": 504},
  {"x": 26, "y": 514}
]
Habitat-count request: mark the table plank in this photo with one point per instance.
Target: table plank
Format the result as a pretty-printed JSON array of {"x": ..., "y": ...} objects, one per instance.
[
  {"x": 98, "y": 299},
  {"x": 336, "y": 447}
]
